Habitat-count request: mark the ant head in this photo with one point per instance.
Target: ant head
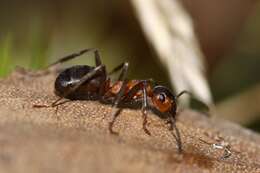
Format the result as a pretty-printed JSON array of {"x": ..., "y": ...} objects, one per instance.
[{"x": 163, "y": 100}]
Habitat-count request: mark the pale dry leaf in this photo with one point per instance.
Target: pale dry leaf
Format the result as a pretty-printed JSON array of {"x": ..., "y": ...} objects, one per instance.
[{"x": 169, "y": 29}]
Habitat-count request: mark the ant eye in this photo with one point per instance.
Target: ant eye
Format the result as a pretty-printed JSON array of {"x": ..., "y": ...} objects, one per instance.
[
  {"x": 162, "y": 97},
  {"x": 162, "y": 102}
]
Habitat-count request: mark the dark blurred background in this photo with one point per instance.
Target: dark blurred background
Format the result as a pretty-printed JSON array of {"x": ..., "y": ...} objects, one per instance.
[{"x": 34, "y": 33}]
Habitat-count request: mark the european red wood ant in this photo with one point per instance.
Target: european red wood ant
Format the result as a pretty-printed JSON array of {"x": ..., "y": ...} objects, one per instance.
[{"x": 83, "y": 82}]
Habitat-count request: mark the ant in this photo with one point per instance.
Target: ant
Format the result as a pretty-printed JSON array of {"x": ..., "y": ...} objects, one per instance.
[{"x": 83, "y": 82}]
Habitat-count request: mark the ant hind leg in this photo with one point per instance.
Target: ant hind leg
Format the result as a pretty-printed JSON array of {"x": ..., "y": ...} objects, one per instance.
[
  {"x": 77, "y": 54},
  {"x": 56, "y": 103}
]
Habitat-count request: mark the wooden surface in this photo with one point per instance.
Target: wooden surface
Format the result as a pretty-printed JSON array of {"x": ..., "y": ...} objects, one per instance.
[{"x": 76, "y": 138}]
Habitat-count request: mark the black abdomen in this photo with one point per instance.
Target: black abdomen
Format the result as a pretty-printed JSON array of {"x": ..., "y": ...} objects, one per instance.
[{"x": 70, "y": 77}]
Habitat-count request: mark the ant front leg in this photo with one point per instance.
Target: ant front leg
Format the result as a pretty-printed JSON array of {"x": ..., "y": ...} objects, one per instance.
[
  {"x": 177, "y": 136},
  {"x": 141, "y": 86},
  {"x": 144, "y": 108},
  {"x": 122, "y": 77}
]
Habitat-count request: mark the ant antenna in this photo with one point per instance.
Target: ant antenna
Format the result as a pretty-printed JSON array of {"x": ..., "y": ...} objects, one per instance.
[
  {"x": 198, "y": 100},
  {"x": 184, "y": 92}
]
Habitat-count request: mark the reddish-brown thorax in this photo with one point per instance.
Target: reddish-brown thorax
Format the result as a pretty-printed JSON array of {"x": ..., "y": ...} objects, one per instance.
[
  {"x": 114, "y": 88},
  {"x": 163, "y": 106}
]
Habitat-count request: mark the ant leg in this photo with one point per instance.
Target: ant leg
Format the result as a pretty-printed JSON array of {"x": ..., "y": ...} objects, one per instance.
[
  {"x": 176, "y": 135},
  {"x": 144, "y": 108},
  {"x": 52, "y": 105},
  {"x": 97, "y": 58},
  {"x": 77, "y": 54},
  {"x": 111, "y": 123},
  {"x": 142, "y": 85},
  {"x": 117, "y": 68},
  {"x": 118, "y": 97},
  {"x": 122, "y": 76},
  {"x": 102, "y": 92}
]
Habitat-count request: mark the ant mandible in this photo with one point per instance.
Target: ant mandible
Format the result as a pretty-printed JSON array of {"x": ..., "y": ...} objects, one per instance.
[{"x": 83, "y": 82}]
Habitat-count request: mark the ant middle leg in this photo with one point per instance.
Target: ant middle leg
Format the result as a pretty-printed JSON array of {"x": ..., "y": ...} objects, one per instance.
[
  {"x": 102, "y": 91},
  {"x": 122, "y": 77},
  {"x": 115, "y": 114}
]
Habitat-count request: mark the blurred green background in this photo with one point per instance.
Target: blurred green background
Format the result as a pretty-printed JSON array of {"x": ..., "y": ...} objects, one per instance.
[{"x": 34, "y": 33}]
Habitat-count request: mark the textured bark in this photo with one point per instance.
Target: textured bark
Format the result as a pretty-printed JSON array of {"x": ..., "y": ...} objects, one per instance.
[{"x": 76, "y": 138}]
